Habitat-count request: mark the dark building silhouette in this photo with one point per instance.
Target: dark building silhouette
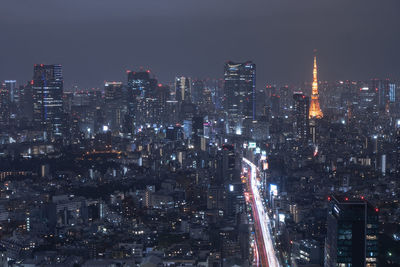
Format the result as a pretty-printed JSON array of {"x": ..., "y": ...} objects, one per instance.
[
  {"x": 113, "y": 99},
  {"x": 301, "y": 108},
  {"x": 239, "y": 89},
  {"x": 275, "y": 105},
  {"x": 352, "y": 233},
  {"x": 239, "y": 92},
  {"x": 197, "y": 91},
  {"x": 183, "y": 89},
  {"x": 140, "y": 99},
  {"x": 381, "y": 88},
  {"x": 47, "y": 91},
  {"x": 4, "y": 105}
]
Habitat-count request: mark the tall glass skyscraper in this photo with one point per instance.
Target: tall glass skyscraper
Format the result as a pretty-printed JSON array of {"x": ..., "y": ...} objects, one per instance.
[
  {"x": 240, "y": 88},
  {"x": 113, "y": 104},
  {"x": 352, "y": 236},
  {"x": 141, "y": 100},
  {"x": 301, "y": 115},
  {"x": 47, "y": 91},
  {"x": 183, "y": 89},
  {"x": 239, "y": 94}
]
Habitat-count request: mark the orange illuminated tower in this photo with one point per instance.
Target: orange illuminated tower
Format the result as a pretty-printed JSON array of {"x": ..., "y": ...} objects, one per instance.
[{"x": 315, "y": 110}]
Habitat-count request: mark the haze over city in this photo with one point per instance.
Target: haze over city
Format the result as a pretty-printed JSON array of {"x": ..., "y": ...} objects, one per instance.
[
  {"x": 98, "y": 40},
  {"x": 188, "y": 133}
]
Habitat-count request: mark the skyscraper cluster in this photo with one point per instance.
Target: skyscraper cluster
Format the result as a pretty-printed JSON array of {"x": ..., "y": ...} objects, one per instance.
[{"x": 199, "y": 172}]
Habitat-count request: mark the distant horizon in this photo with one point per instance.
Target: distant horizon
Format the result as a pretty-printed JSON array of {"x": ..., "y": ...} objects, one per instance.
[
  {"x": 97, "y": 40},
  {"x": 70, "y": 86}
]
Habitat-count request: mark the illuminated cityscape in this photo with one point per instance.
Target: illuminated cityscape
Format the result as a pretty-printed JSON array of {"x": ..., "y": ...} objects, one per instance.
[{"x": 180, "y": 133}]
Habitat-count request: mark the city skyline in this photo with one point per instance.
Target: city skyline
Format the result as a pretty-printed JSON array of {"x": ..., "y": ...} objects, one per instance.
[
  {"x": 211, "y": 134},
  {"x": 278, "y": 37}
]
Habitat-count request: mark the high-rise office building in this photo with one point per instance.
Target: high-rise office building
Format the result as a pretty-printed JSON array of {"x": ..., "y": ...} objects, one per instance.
[
  {"x": 4, "y": 105},
  {"x": 367, "y": 97},
  {"x": 141, "y": 88},
  {"x": 227, "y": 171},
  {"x": 140, "y": 82},
  {"x": 301, "y": 107},
  {"x": 382, "y": 91},
  {"x": 352, "y": 233},
  {"x": 47, "y": 91},
  {"x": 240, "y": 89},
  {"x": 13, "y": 101},
  {"x": 197, "y": 91},
  {"x": 275, "y": 105},
  {"x": 161, "y": 94},
  {"x": 25, "y": 104},
  {"x": 113, "y": 109},
  {"x": 286, "y": 101},
  {"x": 183, "y": 89},
  {"x": 270, "y": 90},
  {"x": 11, "y": 86},
  {"x": 392, "y": 92}
]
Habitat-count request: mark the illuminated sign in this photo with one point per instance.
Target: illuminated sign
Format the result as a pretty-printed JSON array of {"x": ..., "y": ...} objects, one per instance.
[
  {"x": 273, "y": 190},
  {"x": 263, "y": 155},
  {"x": 281, "y": 217},
  {"x": 252, "y": 145},
  {"x": 231, "y": 188},
  {"x": 265, "y": 166}
]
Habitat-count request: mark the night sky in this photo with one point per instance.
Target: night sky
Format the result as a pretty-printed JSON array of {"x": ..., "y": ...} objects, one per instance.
[{"x": 97, "y": 40}]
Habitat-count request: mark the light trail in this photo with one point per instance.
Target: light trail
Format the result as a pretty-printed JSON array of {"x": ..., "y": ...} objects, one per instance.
[
  {"x": 263, "y": 220},
  {"x": 256, "y": 255}
]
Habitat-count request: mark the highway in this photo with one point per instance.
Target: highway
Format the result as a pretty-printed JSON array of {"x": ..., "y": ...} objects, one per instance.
[{"x": 266, "y": 251}]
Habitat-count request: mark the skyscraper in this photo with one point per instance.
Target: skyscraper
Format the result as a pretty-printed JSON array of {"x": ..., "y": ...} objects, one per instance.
[
  {"x": 183, "y": 89},
  {"x": 4, "y": 105},
  {"x": 240, "y": 89},
  {"x": 239, "y": 95},
  {"x": 139, "y": 83},
  {"x": 301, "y": 113},
  {"x": 352, "y": 234},
  {"x": 11, "y": 86},
  {"x": 141, "y": 87},
  {"x": 382, "y": 92},
  {"x": 197, "y": 91},
  {"x": 47, "y": 90},
  {"x": 113, "y": 109},
  {"x": 315, "y": 109}
]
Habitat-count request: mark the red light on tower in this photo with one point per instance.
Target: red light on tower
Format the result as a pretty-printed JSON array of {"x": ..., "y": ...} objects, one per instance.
[
  {"x": 376, "y": 210},
  {"x": 346, "y": 198},
  {"x": 362, "y": 197},
  {"x": 329, "y": 198}
]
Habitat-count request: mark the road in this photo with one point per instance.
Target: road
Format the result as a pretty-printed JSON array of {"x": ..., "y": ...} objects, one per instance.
[{"x": 266, "y": 251}]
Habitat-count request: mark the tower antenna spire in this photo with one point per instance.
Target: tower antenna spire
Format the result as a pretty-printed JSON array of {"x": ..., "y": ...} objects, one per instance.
[{"x": 315, "y": 110}]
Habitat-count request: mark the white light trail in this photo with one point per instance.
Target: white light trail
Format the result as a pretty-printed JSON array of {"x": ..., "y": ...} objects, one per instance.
[{"x": 263, "y": 217}]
